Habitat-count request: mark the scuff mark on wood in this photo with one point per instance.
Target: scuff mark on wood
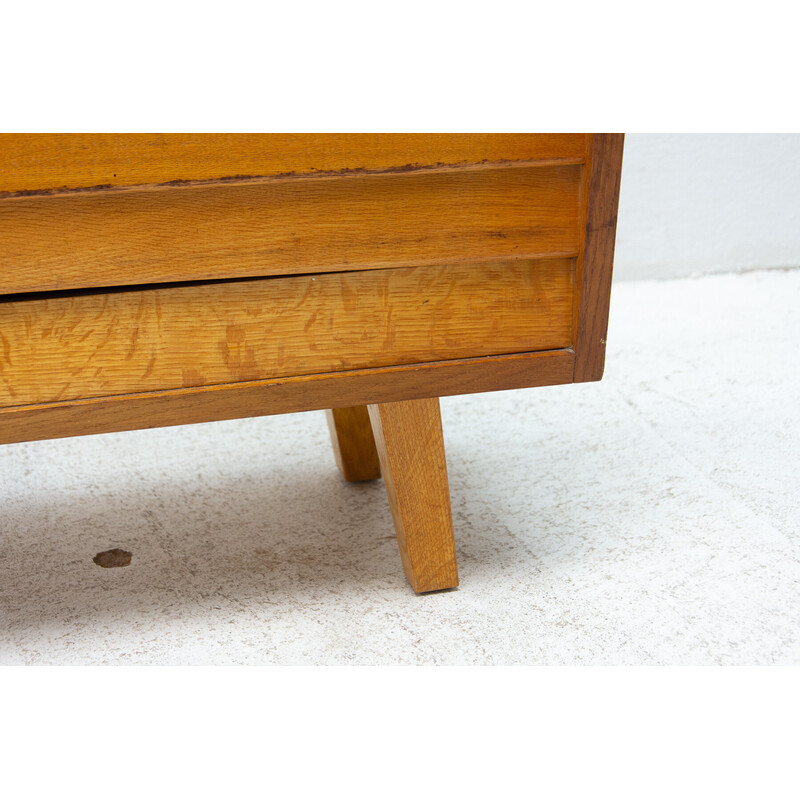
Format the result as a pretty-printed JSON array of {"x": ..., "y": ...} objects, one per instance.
[{"x": 281, "y": 176}]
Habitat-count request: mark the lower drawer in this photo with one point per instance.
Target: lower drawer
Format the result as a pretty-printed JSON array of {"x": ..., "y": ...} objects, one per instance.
[{"x": 103, "y": 343}]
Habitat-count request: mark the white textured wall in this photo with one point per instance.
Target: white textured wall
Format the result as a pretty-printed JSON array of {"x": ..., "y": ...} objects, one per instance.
[{"x": 693, "y": 203}]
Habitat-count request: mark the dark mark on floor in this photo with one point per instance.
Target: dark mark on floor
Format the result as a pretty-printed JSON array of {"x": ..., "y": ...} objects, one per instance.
[{"x": 113, "y": 558}]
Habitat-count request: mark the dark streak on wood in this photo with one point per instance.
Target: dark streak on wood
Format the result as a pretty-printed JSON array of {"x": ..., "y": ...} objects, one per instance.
[
  {"x": 62, "y": 190},
  {"x": 282, "y": 176}
]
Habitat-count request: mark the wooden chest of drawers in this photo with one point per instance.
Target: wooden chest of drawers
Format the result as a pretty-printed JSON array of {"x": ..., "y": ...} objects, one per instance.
[{"x": 150, "y": 280}]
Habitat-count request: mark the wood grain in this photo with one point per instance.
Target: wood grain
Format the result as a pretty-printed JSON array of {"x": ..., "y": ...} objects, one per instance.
[
  {"x": 392, "y": 269},
  {"x": 282, "y": 396},
  {"x": 410, "y": 445},
  {"x": 287, "y": 227},
  {"x": 596, "y": 260},
  {"x": 353, "y": 443},
  {"x": 47, "y": 161},
  {"x": 108, "y": 343}
]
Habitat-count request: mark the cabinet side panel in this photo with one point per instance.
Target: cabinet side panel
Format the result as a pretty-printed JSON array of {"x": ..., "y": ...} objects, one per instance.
[{"x": 595, "y": 264}]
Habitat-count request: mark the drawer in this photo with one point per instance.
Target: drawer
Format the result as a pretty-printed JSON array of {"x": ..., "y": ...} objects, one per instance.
[
  {"x": 64, "y": 346},
  {"x": 256, "y": 228}
]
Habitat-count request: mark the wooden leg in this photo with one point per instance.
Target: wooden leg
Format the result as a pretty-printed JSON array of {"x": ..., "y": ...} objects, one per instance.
[
  {"x": 353, "y": 443},
  {"x": 408, "y": 435}
]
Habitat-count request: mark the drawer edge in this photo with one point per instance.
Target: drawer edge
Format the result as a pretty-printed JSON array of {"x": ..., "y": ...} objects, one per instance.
[{"x": 282, "y": 396}]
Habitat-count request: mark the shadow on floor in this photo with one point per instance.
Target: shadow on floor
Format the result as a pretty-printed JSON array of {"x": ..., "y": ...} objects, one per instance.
[{"x": 257, "y": 538}]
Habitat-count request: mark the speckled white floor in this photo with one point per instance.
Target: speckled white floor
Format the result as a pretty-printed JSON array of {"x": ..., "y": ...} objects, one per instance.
[{"x": 648, "y": 519}]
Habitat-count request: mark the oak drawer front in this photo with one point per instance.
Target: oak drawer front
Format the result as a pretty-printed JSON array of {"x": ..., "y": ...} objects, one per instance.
[
  {"x": 54, "y": 162},
  {"x": 287, "y": 226},
  {"x": 67, "y": 346}
]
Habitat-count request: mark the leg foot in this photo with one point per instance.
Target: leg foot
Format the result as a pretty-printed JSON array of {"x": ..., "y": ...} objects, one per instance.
[
  {"x": 408, "y": 435},
  {"x": 353, "y": 443}
]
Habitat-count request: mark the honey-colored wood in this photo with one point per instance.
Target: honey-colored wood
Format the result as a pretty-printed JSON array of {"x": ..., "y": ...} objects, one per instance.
[
  {"x": 98, "y": 344},
  {"x": 284, "y": 395},
  {"x": 353, "y": 443},
  {"x": 410, "y": 445},
  {"x": 47, "y": 161},
  {"x": 596, "y": 260},
  {"x": 366, "y": 274},
  {"x": 112, "y": 238}
]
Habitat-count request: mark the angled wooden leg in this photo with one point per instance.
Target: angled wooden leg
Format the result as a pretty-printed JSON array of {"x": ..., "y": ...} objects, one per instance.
[
  {"x": 408, "y": 435},
  {"x": 353, "y": 443}
]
